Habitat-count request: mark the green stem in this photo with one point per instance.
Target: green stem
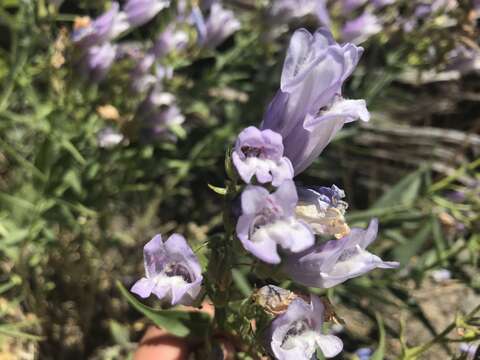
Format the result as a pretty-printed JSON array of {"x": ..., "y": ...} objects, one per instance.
[{"x": 415, "y": 352}]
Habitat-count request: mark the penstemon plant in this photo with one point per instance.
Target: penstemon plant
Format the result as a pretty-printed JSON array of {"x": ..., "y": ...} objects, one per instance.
[{"x": 283, "y": 231}]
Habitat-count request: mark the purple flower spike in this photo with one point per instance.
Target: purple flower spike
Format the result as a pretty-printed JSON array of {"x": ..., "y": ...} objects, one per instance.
[
  {"x": 260, "y": 154},
  {"x": 308, "y": 110},
  {"x": 172, "y": 271},
  {"x": 268, "y": 220},
  {"x": 297, "y": 333},
  {"x": 140, "y": 12},
  {"x": 336, "y": 261},
  {"x": 361, "y": 28},
  {"x": 220, "y": 24},
  {"x": 105, "y": 28}
]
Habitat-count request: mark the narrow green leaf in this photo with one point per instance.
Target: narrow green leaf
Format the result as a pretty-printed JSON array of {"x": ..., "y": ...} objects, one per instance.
[
  {"x": 319, "y": 355},
  {"x": 67, "y": 145},
  {"x": 14, "y": 281},
  {"x": 380, "y": 352},
  {"x": 72, "y": 180},
  {"x": 119, "y": 332},
  {"x": 406, "y": 251},
  {"x": 405, "y": 192},
  {"x": 178, "y": 323},
  {"x": 22, "y": 160},
  {"x": 241, "y": 282},
  {"x": 15, "y": 201},
  {"x": 178, "y": 130},
  {"x": 218, "y": 190},
  {"x": 8, "y": 331},
  {"x": 440, "y": 241}
]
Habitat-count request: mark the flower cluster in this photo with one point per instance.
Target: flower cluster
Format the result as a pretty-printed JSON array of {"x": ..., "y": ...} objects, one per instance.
[
  {"x": 98, "y": 46},
  {"x": 303, "y": 229},
  {"x": 96, "y": 38}
]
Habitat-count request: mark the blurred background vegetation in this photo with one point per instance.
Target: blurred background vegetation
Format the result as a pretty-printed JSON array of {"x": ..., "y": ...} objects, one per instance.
[{"x": 74, "y": 215}]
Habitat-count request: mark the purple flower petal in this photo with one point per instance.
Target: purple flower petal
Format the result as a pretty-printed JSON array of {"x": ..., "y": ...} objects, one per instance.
[
  {"x": 361, "y": 28},
  {"x": 143, "y": 287},
  {"x": 140, "y": 12},
  {"x": 98, "y": 60},
  {"x": 336, "y": 261},
  {"x": 308, "y": 109},
  {"x": 268, "y": 221},
  {"x": 221, "y": 23}
]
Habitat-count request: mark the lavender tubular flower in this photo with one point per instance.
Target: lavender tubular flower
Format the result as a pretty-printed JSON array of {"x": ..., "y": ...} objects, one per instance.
[
  {"x": 221, "y": 23},
  {"x": 197, "y": 19},
  {"x": 260, "y": 154},
  {"x": 140, "y": 12},
  {"x": 297, "y": 333},
  {"x": 364, "y": 353},
  {"x": 98, "y": 61},
  {"x": 169, "y": 40},
  {"x": 307, "y": 142},
  {"x": 157, "y": 114},
  {"x": 336, "y": 261},
  {"x": 463, "y": 59},
  {"x": 172, "y": 271},
  {"x": 471, "y": 351},
  {"x": 268, "y": 220},
  {"x": 285, "y": 10},
  {"x": 361, "y": 28},
  {"x": 105, "y": 28},
  {"x": 308, "y": 110}
]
